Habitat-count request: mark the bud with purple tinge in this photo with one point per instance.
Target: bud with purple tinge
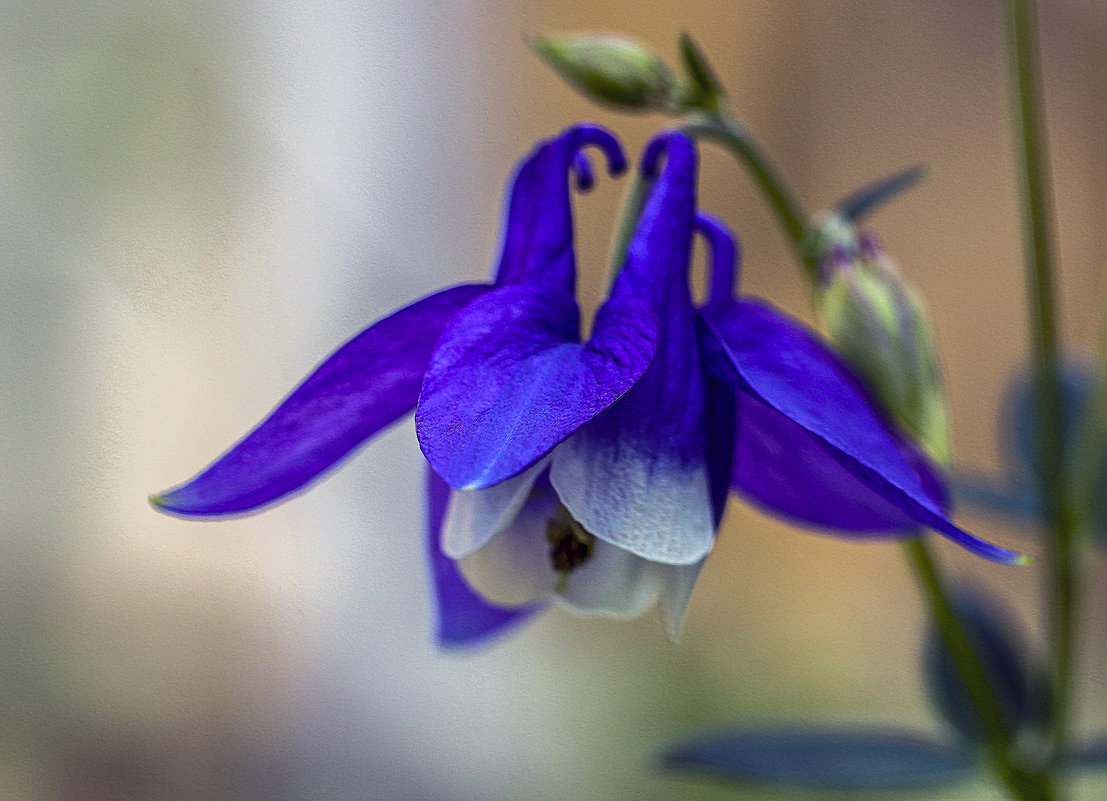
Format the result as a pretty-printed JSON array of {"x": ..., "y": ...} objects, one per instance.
[{"x": 880, "y": 325}]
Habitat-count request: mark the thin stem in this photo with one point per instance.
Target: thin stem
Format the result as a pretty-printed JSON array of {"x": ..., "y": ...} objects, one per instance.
[
  {"x": 723, "y": 127},
  {"x": 1019, "y": 782},
  {"x": 1037, "y": 219}
]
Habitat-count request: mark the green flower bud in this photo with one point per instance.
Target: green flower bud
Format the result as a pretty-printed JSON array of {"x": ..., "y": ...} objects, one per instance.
[
  {"x": 608, "y": 68},
  {"x": 880, "y": 326}
]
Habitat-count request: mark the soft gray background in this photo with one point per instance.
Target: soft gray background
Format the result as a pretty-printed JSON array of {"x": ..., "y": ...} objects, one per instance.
[{"x": 201, "y": 200}]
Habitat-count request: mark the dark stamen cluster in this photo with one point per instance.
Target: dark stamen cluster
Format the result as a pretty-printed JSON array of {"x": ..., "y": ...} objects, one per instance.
[{"x": 570, "y": 545}]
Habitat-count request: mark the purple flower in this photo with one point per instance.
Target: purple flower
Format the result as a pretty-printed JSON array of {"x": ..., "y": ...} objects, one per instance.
[
  {"x": 605, "y": 508},
  {"x": 591, "y": 473}
]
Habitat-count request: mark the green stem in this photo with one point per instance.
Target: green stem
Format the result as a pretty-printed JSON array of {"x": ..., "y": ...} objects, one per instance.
[
  {"x": 724, "y": 128},
  {"x": 1037, "y": 218},
  {"x": 1021, "y": 783}
]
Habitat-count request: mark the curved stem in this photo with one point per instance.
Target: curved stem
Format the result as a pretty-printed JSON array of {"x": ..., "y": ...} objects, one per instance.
[
  {"x": 1037, "y": 218},
  {"x": 723, "y": 127}
]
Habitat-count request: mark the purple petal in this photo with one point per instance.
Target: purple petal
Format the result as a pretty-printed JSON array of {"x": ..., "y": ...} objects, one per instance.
[
  {"x": 636, "y": 476},
  {"x": 794, "y": 373},
  {"x": 463, "y": 617},
  {"x": 724, "y": 258},
  {"x": 719, "y": 408},
  {"x": 538, "y": 232},
  {"x": 783, "y": 467},
  {"x": 719, "y": 442},
  {"x": 659, "y": 253},
  {"x": 509, "y": 380},
  {"x": 362, "y": 387}
]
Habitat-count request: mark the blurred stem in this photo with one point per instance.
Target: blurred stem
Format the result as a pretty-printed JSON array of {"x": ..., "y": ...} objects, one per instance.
[
  {"x": 722, "y": 126},
  {"x": 1020, "y": 783},
  {"x": 1033, "y": 171}
]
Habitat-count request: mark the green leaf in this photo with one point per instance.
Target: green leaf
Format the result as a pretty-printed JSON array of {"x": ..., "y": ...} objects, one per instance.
[
  {"x": 869, "y": 198},
  {"x": 1011, "y": 673},
  {"x": 704, "y": 89}
]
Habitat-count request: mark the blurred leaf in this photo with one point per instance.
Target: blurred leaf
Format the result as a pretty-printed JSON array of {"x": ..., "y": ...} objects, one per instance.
[
  {"x": 1016, "y": 492},
  {"x": 703, "y": 87},
  {"x": 869, "y": 198},
  {"x": 1002, "y": 656},
  {"x": 826, "y": 759},
  {"x": 1005, "y": 497},
  {"x": 1019, "y": 420},
  {"x": 1090, "y": 755}
]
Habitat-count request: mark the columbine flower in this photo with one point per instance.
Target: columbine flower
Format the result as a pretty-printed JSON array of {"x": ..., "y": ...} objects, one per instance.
[
  {"x": 606, "y": 513},
  {"x": 594, "y": 473},
  {"x": 603, "y": 510}
]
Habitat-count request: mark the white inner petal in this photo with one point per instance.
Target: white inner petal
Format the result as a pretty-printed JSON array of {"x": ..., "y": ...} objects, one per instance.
[
  {"x": 613, "y": 582},
  {"x": 501, "y": 537},
  {"x": 661, "y": 512},
  {"x": 675, "y": 594},
  {"x": 476, "y": 516},
  {"x": 514, "y": 568}
]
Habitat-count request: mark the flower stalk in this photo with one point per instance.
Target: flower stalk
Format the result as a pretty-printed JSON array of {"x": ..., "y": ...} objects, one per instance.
[
  {"x": 1036, "y": 204},
  {"x": 1021, "y": 783},
  {"x": 723, "y": 127}
]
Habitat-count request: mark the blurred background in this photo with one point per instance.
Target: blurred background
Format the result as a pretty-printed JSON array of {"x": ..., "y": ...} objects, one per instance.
[{"x": 202, "y": 200}]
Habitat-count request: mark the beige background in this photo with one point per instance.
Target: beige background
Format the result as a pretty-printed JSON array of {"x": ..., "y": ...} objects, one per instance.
[{"x": 202, "y": 200}]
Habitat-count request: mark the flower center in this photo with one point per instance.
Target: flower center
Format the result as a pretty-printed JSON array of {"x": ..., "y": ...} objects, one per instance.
[{"x": 570, "y": 545}]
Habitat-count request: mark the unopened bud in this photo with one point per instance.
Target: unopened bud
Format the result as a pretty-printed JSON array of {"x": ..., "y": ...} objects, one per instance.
[
  {"x": 608, "y": 68},
  {"x": 880, "y": 326}
]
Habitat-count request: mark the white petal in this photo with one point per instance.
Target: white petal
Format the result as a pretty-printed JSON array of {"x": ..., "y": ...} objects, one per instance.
[
  {"x": 476, "y": 516},
  {"x": 613, "y": 582},
  {"x": 515, "y": 568},
  {"x": 675, "y": 593},
  {"x": 661, "y": 512}
]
